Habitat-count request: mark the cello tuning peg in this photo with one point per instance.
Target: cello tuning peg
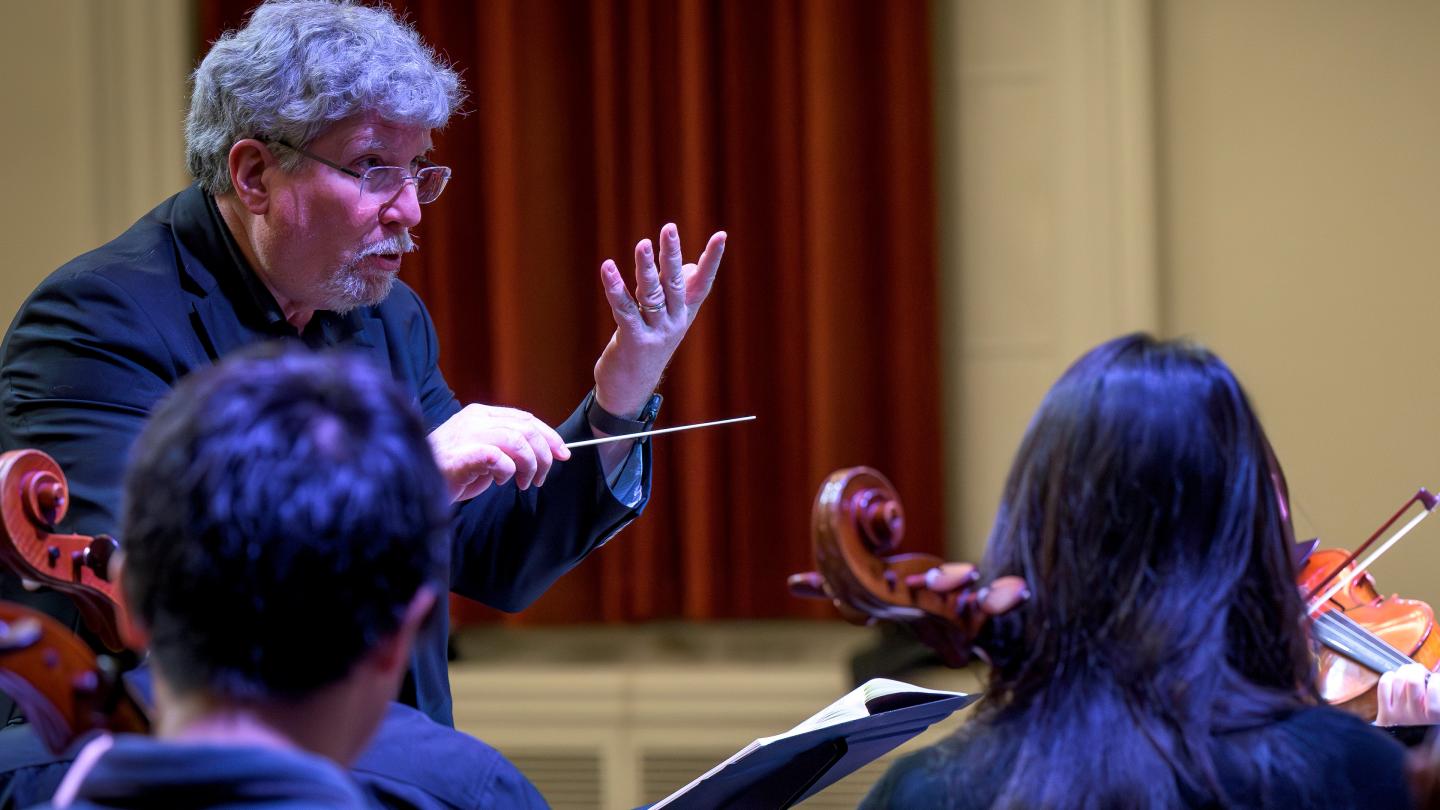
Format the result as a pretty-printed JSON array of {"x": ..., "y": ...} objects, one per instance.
[{"x": 809, "y": 585}]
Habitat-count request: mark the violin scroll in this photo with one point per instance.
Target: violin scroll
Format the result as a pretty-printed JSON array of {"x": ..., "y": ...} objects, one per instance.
[{"x": 856, "y": 523}]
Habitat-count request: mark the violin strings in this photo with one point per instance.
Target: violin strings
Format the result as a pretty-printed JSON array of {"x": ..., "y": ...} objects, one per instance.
[
  {"x": 1335, "y": 629},
  {"x": 1357, "y": 632},
  {"x": 1358, "y": 649}
]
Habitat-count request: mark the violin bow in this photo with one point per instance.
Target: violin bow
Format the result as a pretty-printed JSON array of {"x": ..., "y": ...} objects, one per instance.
[{"x": 1427, "y": 501}]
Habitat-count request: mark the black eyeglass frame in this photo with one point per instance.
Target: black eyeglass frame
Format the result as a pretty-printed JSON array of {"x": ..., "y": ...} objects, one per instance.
[{"x": 425, "y": 167}]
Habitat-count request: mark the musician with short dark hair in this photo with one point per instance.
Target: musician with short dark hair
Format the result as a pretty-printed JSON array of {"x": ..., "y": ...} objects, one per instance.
[{"x": 284, "y": 526}]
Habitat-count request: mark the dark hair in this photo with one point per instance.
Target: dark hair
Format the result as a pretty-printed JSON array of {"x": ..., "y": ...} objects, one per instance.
[
  {"x": 281, "y": 510},
  {"x": 1143, "y": 508}
]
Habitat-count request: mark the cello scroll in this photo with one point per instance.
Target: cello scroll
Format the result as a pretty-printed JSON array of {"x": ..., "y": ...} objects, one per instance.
[
  {"x": 856, "y": 523},
  {"x": 33, "y": 500},
  {"x": 64, "y": 689}
]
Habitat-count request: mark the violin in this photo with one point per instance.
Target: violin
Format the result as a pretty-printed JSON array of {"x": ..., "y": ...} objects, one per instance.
[
  {"x": 33, "y": 500},
  {"x": 856, "y": 523},
  {"x": 64, "y": 689},
  {"x": 1362, "y": 633}
]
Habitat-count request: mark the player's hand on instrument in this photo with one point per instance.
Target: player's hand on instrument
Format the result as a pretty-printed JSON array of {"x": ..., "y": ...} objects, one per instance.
[{"x": 1409, "y": 696}]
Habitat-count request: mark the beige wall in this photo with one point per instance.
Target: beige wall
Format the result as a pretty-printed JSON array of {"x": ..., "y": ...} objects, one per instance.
[
  {"x": 94, "y": 101},
  {"x": 1302, "y": 239},
  {"x": 1294, "y": 180},
  {"x": 1048, "y": 227}
]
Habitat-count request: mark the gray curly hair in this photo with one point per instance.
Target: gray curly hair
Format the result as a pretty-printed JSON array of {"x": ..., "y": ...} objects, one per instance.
[{"x": 300, "y": 65}]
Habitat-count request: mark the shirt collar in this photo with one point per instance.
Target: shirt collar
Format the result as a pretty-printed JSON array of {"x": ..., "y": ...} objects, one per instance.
[
  {"x": 235, "y": 266},
  {"x": 222, "y": 255}
]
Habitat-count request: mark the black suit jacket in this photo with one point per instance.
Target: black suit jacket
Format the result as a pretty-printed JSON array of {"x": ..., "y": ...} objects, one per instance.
[{"x": 107, "y": 335}]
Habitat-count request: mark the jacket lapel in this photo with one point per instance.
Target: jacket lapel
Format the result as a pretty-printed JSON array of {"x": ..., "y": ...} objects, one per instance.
[{"x": 227, "y": 311}]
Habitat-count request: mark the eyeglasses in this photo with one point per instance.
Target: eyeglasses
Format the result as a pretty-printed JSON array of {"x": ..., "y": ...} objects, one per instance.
[{"x": 380, "y": 184}]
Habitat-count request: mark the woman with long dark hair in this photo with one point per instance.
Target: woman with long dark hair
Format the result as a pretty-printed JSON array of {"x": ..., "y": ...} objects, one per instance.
[{"x": 1162, "y": 658}]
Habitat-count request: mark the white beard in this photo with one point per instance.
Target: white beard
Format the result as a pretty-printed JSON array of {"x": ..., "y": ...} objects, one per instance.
[{"x": 348, "y": 288}]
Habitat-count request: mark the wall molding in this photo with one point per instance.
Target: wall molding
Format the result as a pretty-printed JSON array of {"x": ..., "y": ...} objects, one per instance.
[
  {"x": 141, "y": 55},
  {"x": 1046, "y": 132}
]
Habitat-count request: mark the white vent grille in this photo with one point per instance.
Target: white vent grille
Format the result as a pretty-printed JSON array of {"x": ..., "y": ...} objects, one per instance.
[
  {"x": 568, "y": 781},
  {"x": 665, "y": 773},
  {"x": 635, "y": 725},
  {"x": 847, "y": 793}
]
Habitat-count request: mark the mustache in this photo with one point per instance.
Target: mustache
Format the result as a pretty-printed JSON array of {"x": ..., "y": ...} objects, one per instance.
[{"x": 400, "y": 243}]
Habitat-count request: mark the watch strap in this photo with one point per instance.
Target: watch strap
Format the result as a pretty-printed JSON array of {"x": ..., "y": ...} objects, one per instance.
[{"x": 612, "y": 425}]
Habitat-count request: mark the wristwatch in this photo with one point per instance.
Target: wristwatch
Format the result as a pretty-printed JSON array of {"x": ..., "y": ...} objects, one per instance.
[{"x": 608, "y": 423}]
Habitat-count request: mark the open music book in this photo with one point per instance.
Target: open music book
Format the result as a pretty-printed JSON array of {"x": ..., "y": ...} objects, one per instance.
[{"x": 780, "y": 771}]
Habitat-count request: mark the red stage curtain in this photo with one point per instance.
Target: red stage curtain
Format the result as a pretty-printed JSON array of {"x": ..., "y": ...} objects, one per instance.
[{"x": 804, "y": 129}]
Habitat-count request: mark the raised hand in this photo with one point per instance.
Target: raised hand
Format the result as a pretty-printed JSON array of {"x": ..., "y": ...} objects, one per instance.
[
  {"x": 651, "y": 322},
  {"x": 484, "y": 444}
]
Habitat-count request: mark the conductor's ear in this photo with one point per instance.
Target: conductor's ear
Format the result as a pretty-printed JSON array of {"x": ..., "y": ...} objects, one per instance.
[
  {"x": 133, "y": 632},
  {"x": 248, "y": 162}
]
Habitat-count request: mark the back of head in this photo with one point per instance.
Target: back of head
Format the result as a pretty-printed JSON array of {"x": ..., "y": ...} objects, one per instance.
[
  {"x": 1143, "y": 509},
  {"x": 300, "y": 65},
  {"x": 280, "y": 514}
]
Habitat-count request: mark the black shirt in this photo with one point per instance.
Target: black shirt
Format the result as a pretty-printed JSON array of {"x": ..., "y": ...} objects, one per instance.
[{"x": 1351, "y": 765}]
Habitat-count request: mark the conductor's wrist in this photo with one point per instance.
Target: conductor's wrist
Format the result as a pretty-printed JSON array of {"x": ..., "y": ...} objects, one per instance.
[{"x": 603, "y": 421}]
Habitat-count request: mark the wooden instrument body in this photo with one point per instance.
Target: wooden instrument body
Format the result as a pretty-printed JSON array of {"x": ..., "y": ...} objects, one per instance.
[
  {"x": 1405, "y": 626},
  {"x": 62, "y": 686},
  {"x": 33, "y": 499},
  {"x": 856, "y": 523},
  {"x": 64, "y": 689}
]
